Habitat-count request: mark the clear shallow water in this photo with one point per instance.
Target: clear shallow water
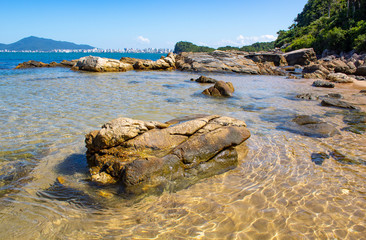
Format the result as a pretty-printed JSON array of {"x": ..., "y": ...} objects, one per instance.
[{"x": 276, "y": 192}]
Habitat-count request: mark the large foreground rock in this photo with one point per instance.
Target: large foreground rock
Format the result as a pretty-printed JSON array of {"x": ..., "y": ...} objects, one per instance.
[
  {"x": 98, "y": 64},
  {"x": 151, "y": 156}
]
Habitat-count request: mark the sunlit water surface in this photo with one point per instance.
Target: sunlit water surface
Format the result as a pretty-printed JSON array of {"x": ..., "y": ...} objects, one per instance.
[{"x": 276, "y": 192}]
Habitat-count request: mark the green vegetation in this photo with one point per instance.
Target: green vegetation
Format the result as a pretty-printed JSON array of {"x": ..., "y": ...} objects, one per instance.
[
  {"x": 327, "y": 24},
  {"x": 190, "y": 47},
  {"x": 259, "y": 46}
]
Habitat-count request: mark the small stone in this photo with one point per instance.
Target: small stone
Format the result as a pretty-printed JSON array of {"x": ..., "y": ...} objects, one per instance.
[
  {"x": 60, "y": 180},
  {"x": 307, "y": 96}
]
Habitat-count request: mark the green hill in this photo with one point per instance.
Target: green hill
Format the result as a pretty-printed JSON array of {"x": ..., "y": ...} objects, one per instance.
[
  {"x": 190, "y": 47},
  {"x": 338, "y": 25},
  {"x": 41, "y": 44}
]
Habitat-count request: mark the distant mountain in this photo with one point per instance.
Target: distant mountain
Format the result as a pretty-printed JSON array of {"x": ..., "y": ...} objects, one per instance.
[{"x": 41, "y": 44}]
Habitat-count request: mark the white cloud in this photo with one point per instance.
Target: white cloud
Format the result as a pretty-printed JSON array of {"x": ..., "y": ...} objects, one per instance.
[
  {"x": 143, "y": 40},
  {"x": 246, "y": 40}
]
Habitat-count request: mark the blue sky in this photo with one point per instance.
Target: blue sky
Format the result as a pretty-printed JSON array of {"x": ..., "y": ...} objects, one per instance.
[{"x": 144, "y": 24}]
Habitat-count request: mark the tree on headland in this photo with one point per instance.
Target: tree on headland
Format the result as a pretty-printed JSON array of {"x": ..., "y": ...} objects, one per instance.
[
  {"x": 190, "y": 47},
  {"x": 338, "y": 25}
]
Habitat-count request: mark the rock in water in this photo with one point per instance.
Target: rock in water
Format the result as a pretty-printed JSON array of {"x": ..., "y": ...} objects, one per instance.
[
  {"x": 203, "y": 79},
  {"x": 220, "y": 89},
  {"x": 151, "y": 156},
  {"x": 329, "y": 102},
  {"x": 98, "y": 64},
  {"x": 310, "y": 126}
]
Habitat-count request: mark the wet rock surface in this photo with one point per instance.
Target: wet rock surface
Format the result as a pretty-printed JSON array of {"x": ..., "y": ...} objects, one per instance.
[
  {"x": 150, "y": 156},
  {"x": 220, "y": 89}
]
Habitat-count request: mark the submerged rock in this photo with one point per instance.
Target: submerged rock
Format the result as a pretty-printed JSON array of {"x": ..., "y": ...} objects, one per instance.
[
  {"x": 220, "y": 89},
  {"x": 310, "y": 126},
  {"x": 307, "y": 96},
  {"x": 318, "y": 158},
  {"x": 331, "y": 102},
  {"x": 151, "y": 156},
  {"x": 356, "y": 122},
  {"x": 324, "y": 84}
]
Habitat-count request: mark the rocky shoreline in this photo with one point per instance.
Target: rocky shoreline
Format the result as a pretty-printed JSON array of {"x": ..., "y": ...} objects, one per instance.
[{"x": 340, "y": 69}]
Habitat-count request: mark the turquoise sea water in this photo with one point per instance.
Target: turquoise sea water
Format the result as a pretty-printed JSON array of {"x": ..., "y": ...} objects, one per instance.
[
  {"x": 276, "y": 192},
  {"x": 11, "y": 60}
]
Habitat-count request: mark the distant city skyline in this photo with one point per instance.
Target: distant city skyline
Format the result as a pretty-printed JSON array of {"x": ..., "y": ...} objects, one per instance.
[{"x": 148, "y": 24}]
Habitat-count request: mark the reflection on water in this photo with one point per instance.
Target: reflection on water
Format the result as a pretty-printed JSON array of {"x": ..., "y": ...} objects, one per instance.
[{"x": 289, "y": 186}]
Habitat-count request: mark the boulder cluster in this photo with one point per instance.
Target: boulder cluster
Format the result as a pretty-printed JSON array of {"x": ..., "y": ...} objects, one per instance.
[{"x": 339, "y": 69}]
